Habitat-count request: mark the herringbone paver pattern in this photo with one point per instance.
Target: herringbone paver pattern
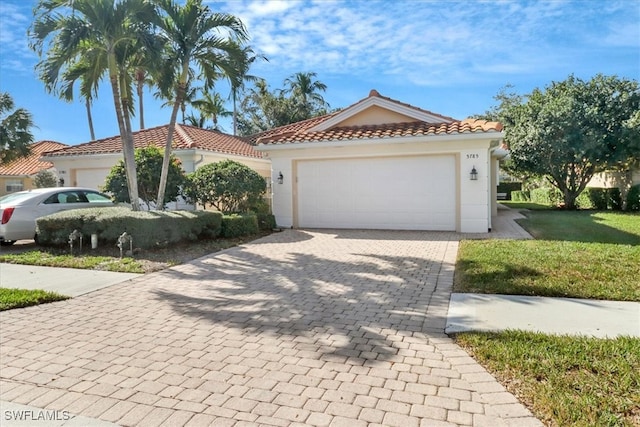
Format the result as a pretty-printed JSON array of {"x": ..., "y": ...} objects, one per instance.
[{"x": 298, "y": 328}]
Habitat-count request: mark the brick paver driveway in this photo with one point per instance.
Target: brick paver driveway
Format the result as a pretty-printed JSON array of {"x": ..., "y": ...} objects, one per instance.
[{"x": 301, "y": 327}]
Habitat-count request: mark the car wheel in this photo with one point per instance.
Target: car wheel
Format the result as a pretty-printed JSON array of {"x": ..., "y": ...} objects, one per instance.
[{"x": 7, "y": 242}]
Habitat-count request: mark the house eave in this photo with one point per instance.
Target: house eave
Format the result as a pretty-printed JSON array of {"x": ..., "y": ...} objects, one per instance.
[{"x": 489, "y": 136}]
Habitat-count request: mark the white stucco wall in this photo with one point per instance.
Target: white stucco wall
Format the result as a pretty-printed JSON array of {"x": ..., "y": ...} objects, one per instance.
[
  {"x": 91, "y": 171},
  {"x": 473, "y": 197}
]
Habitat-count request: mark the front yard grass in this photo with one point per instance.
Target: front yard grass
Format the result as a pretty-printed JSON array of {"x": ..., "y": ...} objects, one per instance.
[
  {"x": 592, "y": 255},
  {"x": 565, "y": 380},
  {"x": 17, "y": 298}
]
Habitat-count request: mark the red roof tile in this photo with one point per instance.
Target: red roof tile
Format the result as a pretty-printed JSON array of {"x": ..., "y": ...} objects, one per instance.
[
  {"x": 184, "y": 137},
  {"x": 391, "y": 130},
  {"x": 31, "y": 164},
  {"x": 299, "y": 132}
]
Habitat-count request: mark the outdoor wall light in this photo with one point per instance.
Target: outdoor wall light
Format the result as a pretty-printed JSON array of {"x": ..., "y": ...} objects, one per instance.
[
  {"x": 474, "y": 174},
  {"x": 280, "y": 178}
]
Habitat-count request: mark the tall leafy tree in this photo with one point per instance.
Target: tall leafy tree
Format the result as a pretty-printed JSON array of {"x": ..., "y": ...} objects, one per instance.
[
  {"x": 108, "y": 34},
  {"x": 194, "y": 37},
  {"x": 573, "y": 129},
  {"x": 262, "y": 109},
  {"x": 15, "y": 130}
]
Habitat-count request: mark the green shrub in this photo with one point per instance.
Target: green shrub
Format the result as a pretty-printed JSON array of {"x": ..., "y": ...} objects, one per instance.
[
  {"x": 546, "y": 196},
  {"x": 148, "y": 229},
  {"x": 600, "y": 199},
  {"x": 633, "y": 198},
  {"x": 239, "y": 225},
  {"x": 520, "y": 196},
  {"x": 266, "y": 221},
  {"x": 509, "y": 187},
  {"x": 614, "y": 199},
  {"x": 227, "y": 186}
]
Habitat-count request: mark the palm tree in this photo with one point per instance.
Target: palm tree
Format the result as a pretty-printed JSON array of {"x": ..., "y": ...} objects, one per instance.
[
  {"x": 107, "y": 34},
  {"x": 15, "y": 132},
  {"x": 305, "y": 91},
  {"x": 241, "y": 63},
  {"x": 212, "y": 106},
  {"x": 82, "y": 71},
  {"x": 190, "y": 94},
  {"x": 193, "y": 36}
]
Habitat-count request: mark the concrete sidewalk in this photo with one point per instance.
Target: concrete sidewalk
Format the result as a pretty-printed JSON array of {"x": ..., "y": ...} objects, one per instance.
[
  {"x": 602, "y": 319},
  {"x": 66, "y": 281}
]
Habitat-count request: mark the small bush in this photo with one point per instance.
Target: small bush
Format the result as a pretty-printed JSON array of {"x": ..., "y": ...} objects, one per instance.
[
  {"x": 546, "y": 196},
  {"x": 148, "y": 229},
  {"x": 633, "y": 198},
  {"x": 266, "y": 221},
  {"x": 520, "y": 196},
  {"x": 239, "y": 225}
]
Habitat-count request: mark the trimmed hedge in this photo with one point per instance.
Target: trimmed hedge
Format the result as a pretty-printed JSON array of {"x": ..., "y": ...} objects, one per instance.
[
  {"x": 239, "y": 225},
  {"x": 509, "y": 187},
  {"x": 600, "y": 199},
  {"x": 520, "y": 196},
  {"x": 266, "y": 221},
  {"x": 633, "y": 198},
  {"x": 148, "y": 229},
  {"x": 546, "y": 196}
]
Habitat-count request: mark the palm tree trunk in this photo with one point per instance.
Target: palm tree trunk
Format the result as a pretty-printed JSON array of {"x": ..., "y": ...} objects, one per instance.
[
  {"x": 126, "y": 138},
  {"x": 235, "y": 113},
  {"x": 140, "y": 90},
  {"x": 87, "y": 104}
]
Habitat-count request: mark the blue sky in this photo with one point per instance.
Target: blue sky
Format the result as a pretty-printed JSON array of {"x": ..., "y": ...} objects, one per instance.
[{"x": 449, "y": 57}]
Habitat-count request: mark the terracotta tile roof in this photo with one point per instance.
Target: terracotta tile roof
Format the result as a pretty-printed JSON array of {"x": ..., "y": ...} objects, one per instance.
[
  {"x": 184, "y": 137},
  {"x": 391, "y": 130},
  {"x": 287, "y": 129},
  {"x": 299, "y": 132},
  {"x": 31, "y": 164}
]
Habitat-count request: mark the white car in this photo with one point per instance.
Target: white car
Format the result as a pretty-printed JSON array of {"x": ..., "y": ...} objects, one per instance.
[{"x": 19, "y": 211}]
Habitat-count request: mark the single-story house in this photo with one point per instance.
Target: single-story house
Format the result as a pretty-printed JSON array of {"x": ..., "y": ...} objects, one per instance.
[
  {"x": 19, "y": 174},
  {"x": 88, "y": 164},
  {"x": 384, "y": 164}
]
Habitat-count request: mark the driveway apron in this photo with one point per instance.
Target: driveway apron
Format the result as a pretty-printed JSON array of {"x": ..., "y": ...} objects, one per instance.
[{"x": 301, "y": 327}]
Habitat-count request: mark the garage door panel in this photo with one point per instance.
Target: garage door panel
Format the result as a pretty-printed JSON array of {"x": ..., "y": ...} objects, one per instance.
[{"x": 387, "y": 193}]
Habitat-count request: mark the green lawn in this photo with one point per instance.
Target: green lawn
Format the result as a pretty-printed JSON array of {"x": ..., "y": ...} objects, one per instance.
[
  {"x": 17, "y": 298},
  {"x": 565, "y": 381},
  {"x": 49, "y": 259},
  {"x": 576, "y": 254}
]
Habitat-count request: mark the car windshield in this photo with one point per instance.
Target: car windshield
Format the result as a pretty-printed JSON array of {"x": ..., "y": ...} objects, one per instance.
[{"x": 15, "y": 197}]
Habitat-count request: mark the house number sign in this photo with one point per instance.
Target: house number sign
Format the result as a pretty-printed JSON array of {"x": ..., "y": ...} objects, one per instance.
[{"x": 473, "y": 156}]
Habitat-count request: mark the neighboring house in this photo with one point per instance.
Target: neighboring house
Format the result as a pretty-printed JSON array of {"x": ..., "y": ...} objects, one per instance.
[
  {"x": 19, "y": 174},
  {"x": 87, "y": 165},
  {"x": 621, "y": 180},
  {"x": 384, "y": 164}
]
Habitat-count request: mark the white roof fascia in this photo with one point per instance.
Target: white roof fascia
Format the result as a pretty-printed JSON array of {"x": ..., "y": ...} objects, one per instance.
[
  {"x": 491, "y": 136},
  {"x": 382, "y": 103}
]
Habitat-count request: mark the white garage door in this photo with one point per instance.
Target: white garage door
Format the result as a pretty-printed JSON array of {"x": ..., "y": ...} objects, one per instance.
[
  {"x": 91, "y": 178},
  {"x": 404, "y": 193}
]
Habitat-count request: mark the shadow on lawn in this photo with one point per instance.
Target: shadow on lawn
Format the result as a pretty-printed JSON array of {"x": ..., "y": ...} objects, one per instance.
[{"x": 577, "y": 226}]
